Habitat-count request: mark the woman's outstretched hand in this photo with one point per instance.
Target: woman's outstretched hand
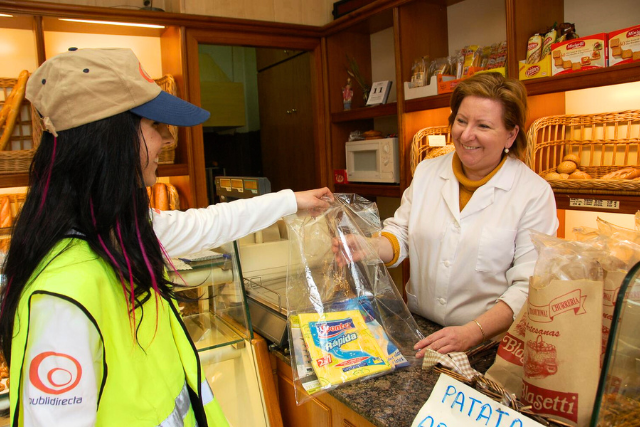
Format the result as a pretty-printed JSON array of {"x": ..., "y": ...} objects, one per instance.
[{"x": 313, "y": 199}]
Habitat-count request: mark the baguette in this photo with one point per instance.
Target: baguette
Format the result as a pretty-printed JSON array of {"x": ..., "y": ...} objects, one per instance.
[
  {"x": 174, "y": 198},
  {"x": 626, "y": 173},
  {"x": 160, "y": 197},
  {"x": 14, "y": 108},
  {"x": 6, "y": 219}
]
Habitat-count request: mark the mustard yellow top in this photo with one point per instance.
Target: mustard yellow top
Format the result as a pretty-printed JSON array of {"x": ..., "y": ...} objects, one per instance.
[{"x": 467, "y": 186}]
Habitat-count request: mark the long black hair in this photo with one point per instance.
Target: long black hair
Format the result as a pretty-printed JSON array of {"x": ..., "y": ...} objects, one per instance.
[{"x": 89, "y": 181}]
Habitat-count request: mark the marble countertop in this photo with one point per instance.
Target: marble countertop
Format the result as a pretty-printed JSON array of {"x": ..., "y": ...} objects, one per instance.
[{"x": 394, "y": 400}]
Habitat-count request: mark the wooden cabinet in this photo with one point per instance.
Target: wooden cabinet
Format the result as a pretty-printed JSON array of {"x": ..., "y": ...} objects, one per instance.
[
  {"x": 423, "y": 27},
  {"x": 322, "y": 411},
  {"x": 286, "y": 124}
]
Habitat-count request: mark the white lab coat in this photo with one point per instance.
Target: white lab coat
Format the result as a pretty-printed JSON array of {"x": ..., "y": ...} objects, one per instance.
[{"x": 462, "y": 263}]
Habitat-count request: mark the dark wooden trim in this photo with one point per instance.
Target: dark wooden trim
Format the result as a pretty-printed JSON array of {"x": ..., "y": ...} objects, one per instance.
[
  {"x": 39, "y": 33},
  {"x": 379, "y": 190},
  {"x": 617, "y": 74},
  {"x": 14, "y": 180},
  {"x": 161, "y": 18},
  {"x": 428, "y": 103},
  {"x": 177, "y": 169},
  {"x": 628, "y": 204},
  {"x": 365, "y": 113}
]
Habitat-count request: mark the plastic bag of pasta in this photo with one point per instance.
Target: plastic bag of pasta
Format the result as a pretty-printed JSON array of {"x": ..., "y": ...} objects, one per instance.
[{"x": 347, "y": 320}]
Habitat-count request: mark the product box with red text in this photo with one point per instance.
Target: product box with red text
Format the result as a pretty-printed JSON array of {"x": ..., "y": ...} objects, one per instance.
[
  {"x": 624, "y": 46},
  {"x": 584, "y": 53},
  {"x": 536, "y": 70}
]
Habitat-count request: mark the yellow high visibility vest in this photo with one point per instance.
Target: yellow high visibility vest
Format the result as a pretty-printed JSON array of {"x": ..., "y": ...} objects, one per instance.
[{"x": 142, "y": 380}]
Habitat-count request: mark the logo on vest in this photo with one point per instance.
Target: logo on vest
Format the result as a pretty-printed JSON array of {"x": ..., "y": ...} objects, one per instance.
[{"x": 54, "y": 373}]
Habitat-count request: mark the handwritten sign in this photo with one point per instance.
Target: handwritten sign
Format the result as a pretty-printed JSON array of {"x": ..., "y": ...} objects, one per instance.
[
  {"x": 454, "y": 404},
  {"x": 436, "y": 140}
]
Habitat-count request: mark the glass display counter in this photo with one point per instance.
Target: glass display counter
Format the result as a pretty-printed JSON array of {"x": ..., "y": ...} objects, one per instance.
[
  {"x": 618, "y": 398},
  {"x": 215, "y": 313}
]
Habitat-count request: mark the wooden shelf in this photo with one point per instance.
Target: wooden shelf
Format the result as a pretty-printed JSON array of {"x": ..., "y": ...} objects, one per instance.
[
  {"x": 383, "y": 190},
  {"x": 625, "y": 73},
  {"x": 625, "y": 204},
  {"x": 365, "y": 113},
  {"x": 173, "y": 170},
  {"x": 14, "y": 180},
  {"x": 428, "y": 103}
]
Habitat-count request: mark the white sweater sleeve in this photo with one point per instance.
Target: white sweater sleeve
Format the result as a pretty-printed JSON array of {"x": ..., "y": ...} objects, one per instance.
[
  {"x": 63, "y": 365},
  {"x": 191, "y": 231}
]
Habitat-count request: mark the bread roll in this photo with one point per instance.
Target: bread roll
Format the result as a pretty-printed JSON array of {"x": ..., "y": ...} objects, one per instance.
[
  {"x": 626, "y": 173},
  {"x": 160, "y": 196},
  {"x": 571, "y": 158},
  {"x": 578, "y": 174},
  {"x": 6, "y": 219},
  {"x": 552, "y": 176},
  {"x": 564, "y": 176},
  {"x": 566, "y": 167}
]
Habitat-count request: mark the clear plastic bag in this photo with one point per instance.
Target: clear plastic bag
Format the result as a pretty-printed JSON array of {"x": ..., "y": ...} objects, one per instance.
[{"x": 347, "y": 321}]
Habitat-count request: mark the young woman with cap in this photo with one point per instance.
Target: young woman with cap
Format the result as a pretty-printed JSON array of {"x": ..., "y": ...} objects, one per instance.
[{"x": 89, "y": 321}]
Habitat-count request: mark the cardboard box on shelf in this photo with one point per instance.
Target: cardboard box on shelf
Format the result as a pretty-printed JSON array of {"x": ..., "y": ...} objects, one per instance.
[
  {"x": 536, "y": 70},
  {"x": 424, "y": 91},
  {"x": 584, "y": 53},
  {"x": 448, "y": 83},
  {"x": 624, "y": 46}
]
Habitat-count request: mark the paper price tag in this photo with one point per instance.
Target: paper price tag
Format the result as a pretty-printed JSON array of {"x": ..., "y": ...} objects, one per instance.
[
  {"x": 594, "y": 203},
  {"x": 436, "y": 140},
  {"x": 454, "y": 404}
]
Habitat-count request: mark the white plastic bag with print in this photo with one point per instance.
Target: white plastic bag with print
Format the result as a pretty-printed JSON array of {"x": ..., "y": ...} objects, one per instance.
[{"x": 347, "y": 320}]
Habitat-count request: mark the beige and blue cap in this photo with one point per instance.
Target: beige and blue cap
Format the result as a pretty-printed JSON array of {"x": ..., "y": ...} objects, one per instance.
[{"x": 85, "y": 85}]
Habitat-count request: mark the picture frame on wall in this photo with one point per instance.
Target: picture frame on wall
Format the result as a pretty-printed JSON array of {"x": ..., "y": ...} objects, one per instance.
[{"x": 379, "y": 93}]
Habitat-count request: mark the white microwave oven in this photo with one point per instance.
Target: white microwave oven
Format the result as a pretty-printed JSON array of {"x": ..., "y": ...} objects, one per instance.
[{"x": 373, "y": 160}]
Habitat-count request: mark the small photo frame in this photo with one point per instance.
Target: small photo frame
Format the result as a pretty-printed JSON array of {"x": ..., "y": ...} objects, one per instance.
[{"x": 379, "y": 93}]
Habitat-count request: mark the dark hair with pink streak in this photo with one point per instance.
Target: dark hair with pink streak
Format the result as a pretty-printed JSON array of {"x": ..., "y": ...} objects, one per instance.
[{"x": 89, "y": 181}]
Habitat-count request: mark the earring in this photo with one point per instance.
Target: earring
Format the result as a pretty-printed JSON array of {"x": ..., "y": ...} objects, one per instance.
[{"x": 506, "y": 151}]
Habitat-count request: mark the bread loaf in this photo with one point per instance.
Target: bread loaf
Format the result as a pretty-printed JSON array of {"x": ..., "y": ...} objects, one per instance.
[
  {"x": 626, "y": 173},
  {"x": 160, "y": 196},
  {"x": 163, "y": 196}
]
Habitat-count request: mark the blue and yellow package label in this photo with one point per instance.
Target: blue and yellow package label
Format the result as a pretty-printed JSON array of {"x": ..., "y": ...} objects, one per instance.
[{"x": 342, "y": 347}]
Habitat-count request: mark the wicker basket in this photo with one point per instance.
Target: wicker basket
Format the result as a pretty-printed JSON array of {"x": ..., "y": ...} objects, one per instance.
[
  {"x": 17, "y": 156},
  {"x": 604, "y": 143},
  {"x": 168, "y": 153},
  {"x": 420, "y": 148}
]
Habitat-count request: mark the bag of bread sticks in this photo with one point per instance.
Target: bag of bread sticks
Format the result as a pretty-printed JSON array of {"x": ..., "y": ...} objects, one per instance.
[
  {"x": 347, "y": 320},
  {"x": 561, "y": 365}
]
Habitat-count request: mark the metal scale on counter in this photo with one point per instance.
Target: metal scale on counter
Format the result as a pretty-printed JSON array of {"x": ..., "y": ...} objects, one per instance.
[{"x": 263, "y": 259}]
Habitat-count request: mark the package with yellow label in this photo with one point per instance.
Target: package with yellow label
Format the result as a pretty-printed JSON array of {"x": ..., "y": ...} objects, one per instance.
[
  {"x": 346, "y": 319},
  {"x": 342, "y": 347}
]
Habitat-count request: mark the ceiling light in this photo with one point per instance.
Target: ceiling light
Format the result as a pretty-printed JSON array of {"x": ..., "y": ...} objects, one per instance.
[
  {"x": 124, "y": 24},
  {"x": 4, "y": 15}
]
